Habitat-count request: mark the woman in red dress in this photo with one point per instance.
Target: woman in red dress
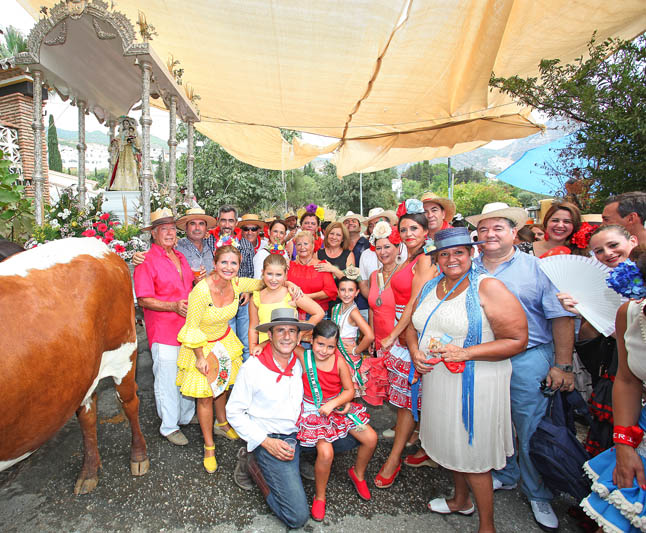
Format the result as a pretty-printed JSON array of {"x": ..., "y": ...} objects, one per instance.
[{"x": 317, "y": 285}]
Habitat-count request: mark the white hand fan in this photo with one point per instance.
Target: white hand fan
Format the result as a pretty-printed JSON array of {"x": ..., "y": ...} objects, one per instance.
[{"x": 584, "y": 278}]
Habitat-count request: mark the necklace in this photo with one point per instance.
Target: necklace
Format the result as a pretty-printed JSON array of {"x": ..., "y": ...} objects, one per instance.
[
  {"x": 382, "y": 285},
  {"x": 298, "y": 259}
]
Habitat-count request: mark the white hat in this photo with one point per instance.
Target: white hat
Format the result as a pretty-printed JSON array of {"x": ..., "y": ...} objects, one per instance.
[
  {"x": 350, "y": 215},
  {"x": 378, "y": 212},
  {"x": 500, "y": 210}
]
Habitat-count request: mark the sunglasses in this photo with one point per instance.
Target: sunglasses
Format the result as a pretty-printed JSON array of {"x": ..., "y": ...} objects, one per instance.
[{"x": 250, "y": 228}]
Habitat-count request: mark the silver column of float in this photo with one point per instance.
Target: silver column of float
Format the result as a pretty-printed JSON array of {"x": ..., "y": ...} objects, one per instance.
[
  {"x": 81, "y": 146},
  {"x": 172, "y": 149},
  {"x": 146, "y": 121},
  {"x": 38, "y": 127},
  {"x": 190, "y": 158}
]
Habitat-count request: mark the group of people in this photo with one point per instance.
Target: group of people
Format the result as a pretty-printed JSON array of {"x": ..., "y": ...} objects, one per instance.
[{"x": 285, "y": 331}]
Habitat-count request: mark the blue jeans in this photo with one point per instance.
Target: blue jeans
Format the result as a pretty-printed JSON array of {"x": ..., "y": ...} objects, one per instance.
[
  {"x": 287, "y": 498},
  {"x": 528, "y": 407},
  {"x": 240, "y": 326}
]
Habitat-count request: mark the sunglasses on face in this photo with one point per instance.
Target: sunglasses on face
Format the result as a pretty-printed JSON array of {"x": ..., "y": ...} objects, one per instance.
[{"x": 250, "y": 228}]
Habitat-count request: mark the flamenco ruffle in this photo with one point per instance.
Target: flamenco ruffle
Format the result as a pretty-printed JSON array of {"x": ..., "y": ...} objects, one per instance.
[
  {"x": 614, "y": 509},
  {"x": 397, "y": 363},
  {"x": 376, "y": 380},
  {"x": 314, "y": 427}
]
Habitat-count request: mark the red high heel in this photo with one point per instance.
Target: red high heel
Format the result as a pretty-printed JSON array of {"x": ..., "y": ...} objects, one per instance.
[{"x": 384, "y": 483}]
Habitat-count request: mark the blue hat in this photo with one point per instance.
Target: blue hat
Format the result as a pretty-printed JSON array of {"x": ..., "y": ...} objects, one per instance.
[{"x": 452, "y": 237}]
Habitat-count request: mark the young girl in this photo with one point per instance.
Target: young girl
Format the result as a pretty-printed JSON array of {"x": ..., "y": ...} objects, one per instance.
[
  {"x": 347, "y": 317},
  {"x": 327, "y": 387},
  {"x": 273, "y": 296}
]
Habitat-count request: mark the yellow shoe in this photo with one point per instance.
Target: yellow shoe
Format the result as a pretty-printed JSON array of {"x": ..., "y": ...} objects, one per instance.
[
  {"x": 229, "y": 434},
  {"x": 210, "y": 464}
]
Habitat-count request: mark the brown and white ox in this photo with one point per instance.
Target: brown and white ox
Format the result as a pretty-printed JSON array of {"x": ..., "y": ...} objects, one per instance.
[{"x": 67, "y": 316}]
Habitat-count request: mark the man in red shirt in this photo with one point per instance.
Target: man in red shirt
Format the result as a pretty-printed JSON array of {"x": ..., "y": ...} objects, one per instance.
[{"x": 162, "y": 284}]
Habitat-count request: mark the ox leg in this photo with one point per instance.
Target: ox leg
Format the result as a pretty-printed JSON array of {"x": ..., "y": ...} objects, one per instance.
[
  {"x": 88, "y": 477},
  {"x": 127, "y": 393}
]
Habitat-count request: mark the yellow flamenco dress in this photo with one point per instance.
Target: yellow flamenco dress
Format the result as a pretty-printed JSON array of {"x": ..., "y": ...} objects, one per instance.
[{"x": 205, "y": 325}]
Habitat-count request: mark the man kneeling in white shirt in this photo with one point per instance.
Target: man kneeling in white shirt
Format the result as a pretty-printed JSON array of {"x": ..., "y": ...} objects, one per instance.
[{"x": 263, "y": 409}]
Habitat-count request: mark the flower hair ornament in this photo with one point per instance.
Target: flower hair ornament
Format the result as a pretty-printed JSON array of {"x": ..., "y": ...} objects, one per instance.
[
  {"x": 227, "y": 240},
  {"x": 353, "y": 273},
  {"x": 383, "y": 230},
  {"x": 626, "y": 279},
  {"x": 411, "y": 206},
  {"x": 429, "y": 246},
  {"x": 314, "y": 209},
  {"x": 582, "y": 237},
  {"x": 275, "y": 249}
]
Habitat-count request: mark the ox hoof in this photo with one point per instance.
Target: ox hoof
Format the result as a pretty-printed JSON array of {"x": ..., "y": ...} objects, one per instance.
[
  {"x": 139, "y": 468},
  {"x": 85, "y": 485}
]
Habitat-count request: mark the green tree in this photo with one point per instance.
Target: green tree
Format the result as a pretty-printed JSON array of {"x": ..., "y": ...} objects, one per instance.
[
  {"x": 471, "y": 197},
  {"x": 467, "y": 175},
  {"x": 53, "y": 153},
  {"x": 219, "y": 178},
  {"x": 343, "y": 195},
  {"x": 13, "y": 43},
  {"x": 17, "y": 217},
  {"x": 605, "y": 97}
]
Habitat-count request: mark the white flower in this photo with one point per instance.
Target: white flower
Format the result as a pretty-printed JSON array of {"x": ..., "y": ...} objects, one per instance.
[
  {"x": 54, "y": 223},
  {"x": 382, "y": 231},
  {"x": 60, "y": 214}
]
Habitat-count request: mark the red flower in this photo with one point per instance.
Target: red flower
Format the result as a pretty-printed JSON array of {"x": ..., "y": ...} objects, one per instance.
[
  {"x": 104, "y": 216},
  {"x": 224, "y": 374},
  {"x": 109, "y": 233},
  {"x": 119, "y": 249},
  {"x": 582, "y": 237},
  {"x": 395, "y": 237},
  {"x": 95, "y": 224},
  {"x": 89, "y": 233},
  {"x": 401, "y": 210},
  {"x": 114, "y": 222},
  {"x": 107, "y": 240},
  {"x": 102, "y": 227}
]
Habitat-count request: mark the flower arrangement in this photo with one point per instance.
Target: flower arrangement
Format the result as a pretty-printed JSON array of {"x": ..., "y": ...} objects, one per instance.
[
  {"x": 315, "y": 210},
  {"x": 410, "y": 207},
  {"x": 581, "y": 238},
  {"x": 384, "y": 230},
  {"x": 275, "y": 249},
  {"x": 627, "y": 280}
]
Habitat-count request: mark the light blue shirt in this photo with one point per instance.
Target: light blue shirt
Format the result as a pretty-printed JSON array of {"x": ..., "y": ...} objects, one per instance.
[
  {"x": 193, "y": 254},
  {"x": 537, "y": 294}
]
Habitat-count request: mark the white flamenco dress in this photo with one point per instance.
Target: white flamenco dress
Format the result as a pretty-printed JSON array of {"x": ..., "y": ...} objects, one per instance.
[{"x": 614, "y": 509}]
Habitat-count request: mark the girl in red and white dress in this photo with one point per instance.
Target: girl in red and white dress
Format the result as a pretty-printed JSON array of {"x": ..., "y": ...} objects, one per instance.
[{"x": 329, "y": 414}]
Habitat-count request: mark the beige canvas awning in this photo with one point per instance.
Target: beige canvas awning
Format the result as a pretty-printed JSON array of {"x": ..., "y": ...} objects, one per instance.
[{"x": 387, "y": 81}]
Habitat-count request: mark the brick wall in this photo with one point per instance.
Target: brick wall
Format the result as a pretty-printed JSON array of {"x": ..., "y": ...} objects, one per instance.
[{"x": 17, "y": 109}]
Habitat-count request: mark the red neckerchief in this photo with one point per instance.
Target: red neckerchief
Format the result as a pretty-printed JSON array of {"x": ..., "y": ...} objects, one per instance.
[
  {"x": 257, "y": 246},
  {"x": 237, "y": 233},
  {"x": 317, "y": 244},
  {"x": 267, "y": 359}
]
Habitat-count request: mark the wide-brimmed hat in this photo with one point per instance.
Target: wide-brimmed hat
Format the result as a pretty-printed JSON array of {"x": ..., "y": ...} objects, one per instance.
[
  {"x": 158, "y": 217},
  {"x": 452, "y": 237},
  {"x": 350, "y": 215},
  {"x": 445, "y": 203},
  {"x": 500, "y": 210},
  {"x": 196, "y": 213},
  {"x": 289, "y": 214},
  {"x": 251, "y": 219},
  {"x": 378, "y": 212},
  {"x": 284, "y": 316}
]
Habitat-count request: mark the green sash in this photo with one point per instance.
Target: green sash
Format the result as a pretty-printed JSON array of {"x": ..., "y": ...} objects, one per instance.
[
  {"x": 315, "y": 387},
  {"x": 336, "y": 313}
]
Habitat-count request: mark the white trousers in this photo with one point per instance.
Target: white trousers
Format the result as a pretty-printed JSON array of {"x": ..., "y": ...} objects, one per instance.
[{"x": 172, "y": 407}]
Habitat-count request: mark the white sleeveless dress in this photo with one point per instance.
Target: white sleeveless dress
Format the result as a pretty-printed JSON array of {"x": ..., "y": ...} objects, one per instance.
[{"x": 442, "y": 432}]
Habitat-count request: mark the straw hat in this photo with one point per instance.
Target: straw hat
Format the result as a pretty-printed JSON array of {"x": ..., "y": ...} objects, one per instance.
[
  {"x": 350, "y": 215},
  {"x": 196, "y": 213},
  {"x": 251, "y": 219},
  {"x": 284, "y": 316},
  {"x": 158, "y": 217},
  {"x": 500, "y": 210},
  {"x": 289, "y": 214},
  {"x": 445, "y": 203},
  {"x": 378, "y": 212}
]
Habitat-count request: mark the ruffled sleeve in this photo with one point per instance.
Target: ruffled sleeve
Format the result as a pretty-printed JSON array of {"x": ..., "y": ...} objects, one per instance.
[
  {"x": 256, "y": 298},
  {"x": 191, "y": 335}
]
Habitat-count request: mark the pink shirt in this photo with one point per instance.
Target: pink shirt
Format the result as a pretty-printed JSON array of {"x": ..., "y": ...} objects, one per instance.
[{"x": 158, "y": 278}]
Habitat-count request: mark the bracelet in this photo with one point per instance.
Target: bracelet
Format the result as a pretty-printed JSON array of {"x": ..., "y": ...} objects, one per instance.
[
  {"x": 565, "y": 368},
  {"x": 631, "y": 436},
  {"x": 354, "y": 350}
]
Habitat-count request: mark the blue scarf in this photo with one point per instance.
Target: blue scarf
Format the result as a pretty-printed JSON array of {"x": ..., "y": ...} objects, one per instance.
[{"x": 474, "y": 336}]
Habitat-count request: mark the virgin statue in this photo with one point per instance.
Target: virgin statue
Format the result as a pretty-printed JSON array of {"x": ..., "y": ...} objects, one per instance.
[{"x": 127, "y": 149}]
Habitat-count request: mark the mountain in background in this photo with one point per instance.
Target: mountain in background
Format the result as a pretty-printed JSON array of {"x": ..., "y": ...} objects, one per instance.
[
  {"x": 98, "y": 137},
  {"x": 495, "y": 161}
]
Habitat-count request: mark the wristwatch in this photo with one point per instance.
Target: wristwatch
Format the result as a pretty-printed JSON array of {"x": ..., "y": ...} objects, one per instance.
[{"x": 565, "y": 368}]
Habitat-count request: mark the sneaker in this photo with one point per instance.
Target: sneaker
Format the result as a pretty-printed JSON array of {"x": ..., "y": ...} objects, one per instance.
[
  {"x": 307, "y": 469},
  {"x": 241, "y": 475},
  {"x": 498, "y": 485},
  {"x": 544, "y": 515},
  {"x": 177, "y": 438}
]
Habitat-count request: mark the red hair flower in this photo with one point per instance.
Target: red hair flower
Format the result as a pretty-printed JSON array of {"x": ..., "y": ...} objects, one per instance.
[
  {"x": 401, "y": 210},
  {"x": 582, "y": 237}
]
